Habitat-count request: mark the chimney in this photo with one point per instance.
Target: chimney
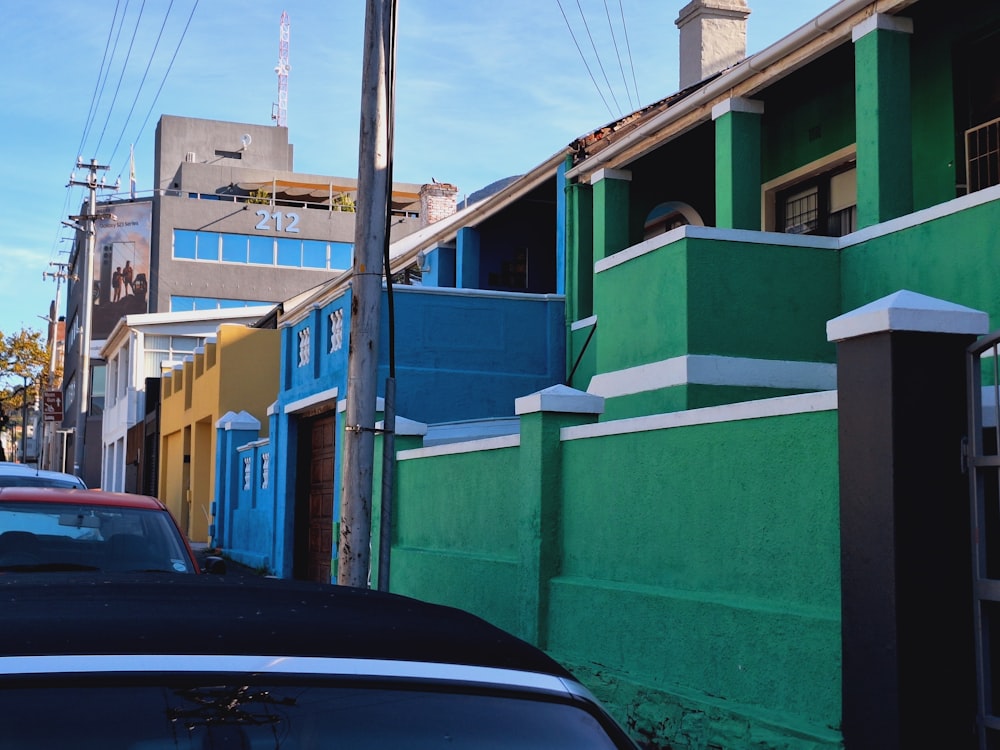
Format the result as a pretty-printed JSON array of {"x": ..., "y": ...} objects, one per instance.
[
  {"x": 437, "y": 201},
  {"x": 713, "y": 38}
]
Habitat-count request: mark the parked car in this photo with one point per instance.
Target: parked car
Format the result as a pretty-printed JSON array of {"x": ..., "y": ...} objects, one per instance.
[
  {"x": 22, "y": 475},
  {"x": 46, "y": 529},
  {"x": 196, "y": 662}
]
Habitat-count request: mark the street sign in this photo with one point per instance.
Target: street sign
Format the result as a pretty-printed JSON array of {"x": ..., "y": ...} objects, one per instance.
[{"x": 52, "y": 406}]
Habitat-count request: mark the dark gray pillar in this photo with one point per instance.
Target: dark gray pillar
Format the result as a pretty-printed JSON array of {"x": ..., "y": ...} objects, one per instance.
[{"x": 906, "y": 570}]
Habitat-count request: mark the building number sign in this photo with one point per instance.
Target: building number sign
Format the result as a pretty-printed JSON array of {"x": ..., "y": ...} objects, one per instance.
[{"x": 277, "y": 221}]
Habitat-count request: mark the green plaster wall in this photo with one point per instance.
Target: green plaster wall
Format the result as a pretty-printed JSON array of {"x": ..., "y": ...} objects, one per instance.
[
  {"x": 689, "y": 575},
  {"x": 611, "y": 216},
  {"x": 949, "y": 258},
  {"x": 760, "y": 301},
  {"x": 804, "y": 122},
  {"x": 455, "y": 537}
]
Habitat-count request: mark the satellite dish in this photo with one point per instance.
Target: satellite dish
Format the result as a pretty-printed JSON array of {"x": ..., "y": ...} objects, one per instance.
[{"x": 245, "y": 141}]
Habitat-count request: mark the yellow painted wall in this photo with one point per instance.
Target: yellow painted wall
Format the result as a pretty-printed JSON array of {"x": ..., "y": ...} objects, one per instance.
[{"x": 239, "y": 372}]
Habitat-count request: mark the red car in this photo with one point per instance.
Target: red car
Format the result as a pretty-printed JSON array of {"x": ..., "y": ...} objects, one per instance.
[{"x": 45, "y": 529}]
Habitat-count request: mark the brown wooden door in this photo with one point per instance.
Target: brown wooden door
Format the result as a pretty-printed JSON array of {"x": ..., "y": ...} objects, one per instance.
[{"x": 319, "y": 551}]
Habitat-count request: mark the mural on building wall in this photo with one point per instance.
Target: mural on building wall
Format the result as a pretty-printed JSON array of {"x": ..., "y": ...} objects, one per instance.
[{"x": 121, "y": 265}]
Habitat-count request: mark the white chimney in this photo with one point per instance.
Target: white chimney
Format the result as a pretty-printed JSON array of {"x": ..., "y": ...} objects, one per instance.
[
  {"x": 437, "y": 201},
  {"x": 713, "y": 38}
]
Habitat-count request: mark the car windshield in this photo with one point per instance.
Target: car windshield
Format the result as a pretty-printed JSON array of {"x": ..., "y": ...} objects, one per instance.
[
  {"x": 73, "y": 536},
  {"x": 239, "y": 714},
  {"x": 25, "y": 479}
]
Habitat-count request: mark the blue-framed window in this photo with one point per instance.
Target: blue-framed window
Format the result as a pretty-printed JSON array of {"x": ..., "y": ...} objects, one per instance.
[
  {"x": 191, "y": 304},
  {"x": 262, "y": 250}
]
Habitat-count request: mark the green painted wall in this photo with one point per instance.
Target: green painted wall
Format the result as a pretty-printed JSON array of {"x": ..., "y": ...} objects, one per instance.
[
  {"x": 950, "y": 258},
  {"x": 689, "y": 575},
  {"x": 804, "y": 122},
  {"x": 456, "y": 532},
  {"x": 752, "y": 300}
]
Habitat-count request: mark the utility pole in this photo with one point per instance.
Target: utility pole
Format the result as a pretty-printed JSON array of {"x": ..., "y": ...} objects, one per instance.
[
  {"x": 49, "y": 428},
  {"x": 354, "y": 548},
  {"x": 85, "y": 311}
]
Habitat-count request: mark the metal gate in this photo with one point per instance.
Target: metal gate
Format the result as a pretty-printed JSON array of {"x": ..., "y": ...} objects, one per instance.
[{"x": 983, "y": 447}]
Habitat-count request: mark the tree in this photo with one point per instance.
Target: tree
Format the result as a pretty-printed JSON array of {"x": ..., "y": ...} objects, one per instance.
[{"x": 23, "y": 355}]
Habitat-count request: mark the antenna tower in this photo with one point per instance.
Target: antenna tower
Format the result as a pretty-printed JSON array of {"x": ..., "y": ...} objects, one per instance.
[{"x": 279, "y": 112}]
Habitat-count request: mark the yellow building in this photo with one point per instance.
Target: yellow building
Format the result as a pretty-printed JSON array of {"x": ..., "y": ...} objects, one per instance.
[{"x": 236, "y": 371}]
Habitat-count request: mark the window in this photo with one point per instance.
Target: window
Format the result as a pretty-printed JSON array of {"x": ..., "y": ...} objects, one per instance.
[
  {"x": 336, "y": 330},
  {"x": 303, "y": 347},
  {"x": 262, "y": 250},
  {"x": 97, "y": 384},
  {"x": 823, "y": 203}
]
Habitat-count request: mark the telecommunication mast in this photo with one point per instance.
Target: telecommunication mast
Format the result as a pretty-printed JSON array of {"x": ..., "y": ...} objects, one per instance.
[{"x": 279, "y": 111}]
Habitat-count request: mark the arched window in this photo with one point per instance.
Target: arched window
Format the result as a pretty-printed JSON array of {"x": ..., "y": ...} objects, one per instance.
[{"x": 669, "y": 215}]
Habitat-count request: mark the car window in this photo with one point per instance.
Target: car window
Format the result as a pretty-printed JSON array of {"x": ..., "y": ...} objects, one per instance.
[
  {"x": 33, "y": 480},
  {"x": 240, "y": 714},
  {"x": 65, "y": 536}
]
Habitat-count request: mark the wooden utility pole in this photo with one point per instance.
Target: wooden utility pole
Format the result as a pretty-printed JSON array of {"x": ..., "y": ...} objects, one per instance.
[{"x": 354, "y": 548}]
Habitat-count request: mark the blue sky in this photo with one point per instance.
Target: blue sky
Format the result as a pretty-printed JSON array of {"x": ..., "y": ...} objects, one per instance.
[{"x": 485, "y": 90}]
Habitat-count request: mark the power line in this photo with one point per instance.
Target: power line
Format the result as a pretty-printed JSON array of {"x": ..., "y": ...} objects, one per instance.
[
  {"x": 598, "y": 56},
  {"x": 618, "y": 54},
  {"x": 118, "y": 87},
  {"x": 584, "y": 58},
  {"x": 628, "y": 47}
]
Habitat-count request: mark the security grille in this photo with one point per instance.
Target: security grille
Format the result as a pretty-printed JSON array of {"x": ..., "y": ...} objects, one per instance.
[{"x": 982, "y": 155}]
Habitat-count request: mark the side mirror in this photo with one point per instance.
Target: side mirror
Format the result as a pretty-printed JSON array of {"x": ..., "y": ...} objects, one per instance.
[{"x": 215, "y": 565}]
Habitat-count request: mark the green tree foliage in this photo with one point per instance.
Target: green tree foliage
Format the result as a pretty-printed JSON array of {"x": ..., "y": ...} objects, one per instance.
[{"x": 23, "y": 355}]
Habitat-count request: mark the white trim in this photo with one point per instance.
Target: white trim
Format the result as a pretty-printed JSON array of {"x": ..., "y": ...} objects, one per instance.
[
  {"x": 623, "y": 175},
  {"x": 738, "y": 104},
  {"x": 471, "y": 446},
  {"x": 585, "y": 323},
  {"x": 882, "y": 22},
  {"x": 561, "y": 399},
  {"x": 691, "y": 231},
  {"x": 907, "y": 311},
  {"x": 330, "y": 394},
  {"x": 769, "y": 407},
  {"x": 269, "y": 665},
  {"x": 704, "y": 369}
]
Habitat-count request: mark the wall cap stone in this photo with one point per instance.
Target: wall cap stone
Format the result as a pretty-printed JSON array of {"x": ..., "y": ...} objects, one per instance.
[
  {"x": 907, "y": 311},
  {"x": 560, "y": 398}
]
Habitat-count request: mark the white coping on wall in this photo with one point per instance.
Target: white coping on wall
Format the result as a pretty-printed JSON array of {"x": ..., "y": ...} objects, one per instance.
[
  {"x": 470, "y": 446},
  {"x": 559, "y": 398},
  {"x": 768, "y": 407},
  {"x": 242, "y": 421},
  {"x": 405, "y": 427},
  {"x": 923, "y": 216},
  {"x": 884, "y": 22},
  {"x": 907, "y": 311},
  {"x": 738, "y": 104},
  {"x": 693, "y": 231},
  {"x": 585, "y": 323},
  {"x": 330, "y": 394},
  {"x": 465, "y": 430},
  {"x": 703, "y": 369},
  {"x": 253, "y": 444}
]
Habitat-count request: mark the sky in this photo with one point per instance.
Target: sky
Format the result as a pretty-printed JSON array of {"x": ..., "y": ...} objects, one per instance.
[{"x": 484, "y": 90}]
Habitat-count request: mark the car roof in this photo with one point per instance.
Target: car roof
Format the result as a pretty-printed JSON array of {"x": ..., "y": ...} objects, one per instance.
[
  {"x": 11, "y": 469},
  {"x": 80, "y": 496},
  {"x": 163, "y": 614}
]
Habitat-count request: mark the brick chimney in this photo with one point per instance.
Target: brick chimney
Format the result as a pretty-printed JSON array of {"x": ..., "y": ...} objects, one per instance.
[
  {"x": 713, "y": 37},
  {"x": 437, "y": 201}
]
